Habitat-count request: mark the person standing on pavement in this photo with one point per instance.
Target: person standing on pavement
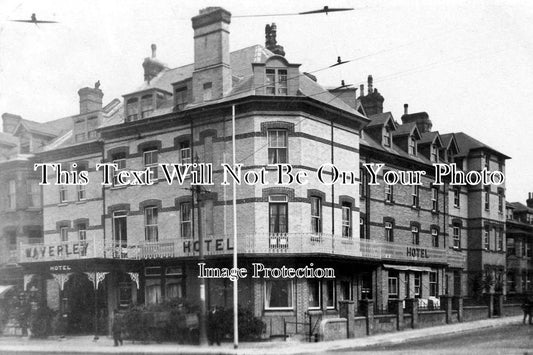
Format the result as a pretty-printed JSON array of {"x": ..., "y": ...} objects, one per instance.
[
  {"x": 527, "y": 308},
  {"x": 116, "y": 328}
]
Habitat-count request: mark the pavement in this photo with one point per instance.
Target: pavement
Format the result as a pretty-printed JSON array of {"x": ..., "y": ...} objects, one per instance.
[{"x": 86, "y": 345}]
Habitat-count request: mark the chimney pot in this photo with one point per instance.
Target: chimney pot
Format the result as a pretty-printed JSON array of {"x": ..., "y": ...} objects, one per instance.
[
  {"x": 370, "y": 84},
  {"x": 361, "y": 90},
  {"x": 405, "y": 109},
  {"x": 90, "y": 99},
  {"x": 154, "y": 50}
]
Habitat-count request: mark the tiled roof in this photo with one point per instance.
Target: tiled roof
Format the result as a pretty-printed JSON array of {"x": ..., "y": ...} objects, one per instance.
[
  {"x": 429, "y": 137},
  {"x": 520, "y": 207},
  {"x": 8, "y": 139},
  {"x": 404, "y": 129},
  {"x": 380, "y": 119},
  {"x": 467, "y": 143}
]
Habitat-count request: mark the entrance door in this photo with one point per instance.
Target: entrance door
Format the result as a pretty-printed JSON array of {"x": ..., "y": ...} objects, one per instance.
[{"x": 120, "y": 234}]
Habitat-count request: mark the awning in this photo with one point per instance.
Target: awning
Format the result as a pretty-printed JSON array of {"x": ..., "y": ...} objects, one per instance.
[
  {"x": 407, "y": 268},
  {"x": 4, "y": 289}
]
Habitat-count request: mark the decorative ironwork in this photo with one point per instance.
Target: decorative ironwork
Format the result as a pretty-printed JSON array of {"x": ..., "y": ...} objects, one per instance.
[
  {"x": 135, "y": 278},
  {"x": 27, "y": 280},
  {"x": 61, "y": 279},
  {"x": 96, "y": 278}
]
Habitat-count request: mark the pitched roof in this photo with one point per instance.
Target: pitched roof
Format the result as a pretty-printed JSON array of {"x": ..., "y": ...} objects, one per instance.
[
  {"x": 406, "y": 129},
  {"x": 8, "y": 139},
  {"x": 430, "y": 137},
  {"x": 467, "y": 143},
  {"x": 520, "y": 207},
  {"x": 380, "y": 119}
]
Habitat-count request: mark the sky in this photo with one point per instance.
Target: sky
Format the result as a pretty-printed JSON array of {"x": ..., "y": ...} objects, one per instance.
[{"x": 468, "y": 64}]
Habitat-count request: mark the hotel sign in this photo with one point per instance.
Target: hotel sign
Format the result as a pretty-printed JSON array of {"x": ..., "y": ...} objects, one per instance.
[
  {"x": 210, "y": 245},
  {"x": 62, "y": 251}
]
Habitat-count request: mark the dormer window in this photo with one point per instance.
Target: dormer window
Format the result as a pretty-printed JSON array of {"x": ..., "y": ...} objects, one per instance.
[
  {"x": 276, "y": 81},
  {"x": 147, "y": 106},
  {"x": 412, "y": 145},
  {"x": 386, "y": 137},
  {"x": 92, "y": 125},
  {"x": 132, "y": 109},
  {"x": 434, "y": 153},
  {"x": 180, "y": 97}
]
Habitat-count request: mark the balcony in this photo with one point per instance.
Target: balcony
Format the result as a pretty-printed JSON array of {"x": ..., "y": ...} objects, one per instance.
[{"x": 259, "y": 244}]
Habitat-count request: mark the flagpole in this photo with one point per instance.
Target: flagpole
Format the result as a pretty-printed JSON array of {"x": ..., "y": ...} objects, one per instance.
[{"x": 235, "y": 283}]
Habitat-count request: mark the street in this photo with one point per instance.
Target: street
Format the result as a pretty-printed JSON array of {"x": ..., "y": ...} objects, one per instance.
[{"x": 510, "y": 339}]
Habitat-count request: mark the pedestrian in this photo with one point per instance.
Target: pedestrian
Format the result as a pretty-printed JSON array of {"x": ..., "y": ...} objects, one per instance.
[
  {"x": 116, "y": 328},
  {"x": 527, "y": 308},
  {"x": 214, "y": 331}
]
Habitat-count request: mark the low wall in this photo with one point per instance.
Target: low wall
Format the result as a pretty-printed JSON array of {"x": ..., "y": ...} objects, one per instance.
[
  {"x": 359, "y": 328},
  {"x": 431, "y": 318},
  {"x": 471, "y": 313},
  {"x": 384, "y": 323},
  {"x": 512, "y": 309},
  {"x": 333, "y": 329}
]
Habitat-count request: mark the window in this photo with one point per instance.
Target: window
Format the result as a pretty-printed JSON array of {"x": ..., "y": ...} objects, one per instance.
[
  {"x": 393, "y": 285},
  {"x": 433, "y": 285},
  {"x": 528, "y": 249},
  {"x": 81, "y": 192},
  {"x": 418, "y": 284},
  {"x": 153, "y": 291},
  {"x": 79, "y": 128},
  {"x": 363, "y": 183},
  {"x": 276, "y": 81},
  {"x": 150, "y": 161},
  {"x": 208, "y": 91},
  {"x": 487, "y": 198},
  {"x": 457, "y": 196},
  {"x": 434, "y": 152},
  {"x": 132, "y": 110},
  {"x": 278, "y": 294},
  {"x": 346, "y": 220},
  {"x": 435, "y": 199},
  {"x": 386, "y": 137},
  {"x": 499, "y": 240},
  {"x": 120, "y": 228},
  {"x": 120, "y": 160},
  {"x": 412, "y": 145},
  {"x": 174, "y": 288},
  {"x": 150, "y": 224},
  {"x": 63, "y": 195},
  {"x": 63, "y": 231},
  {"x": 389, "y": 237},
  {"x": 82, "y": 232},
  {"x": 12, "y": 195},
  {"x": 510, "y": 246},
  {"x": 389, "y": 191},
  {"x": 185, "y": 152},
  {"x": 147, "y": 105},
  {"x": 456, "y": 236},
  {"x": 277, "y": 146},
  {"x": 415, "y": 235},
  {"x": 315, "y": 293},
  {"x": 181, "y": 98},
  {"x": 434, "y": 237},
  {"x": 487, "y": 161},
  {"x": 414, "y": 195},
  {"x": 278, "y": 214},
  {"x": 500, "y": 202},
  {"x": 345, "y": 292},
  {"x": 332, "y": 294},
  {"x": 316, "y": 215},
  {"x": 186, "y": 219},
  {"x": 92, "y": 125},
  {"x": 362, "y": 231},
  {"x": 34, "y": 193}
]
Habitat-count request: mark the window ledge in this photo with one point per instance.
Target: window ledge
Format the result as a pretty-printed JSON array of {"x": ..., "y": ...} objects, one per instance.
[
  {"x": 81, "y": 202},
  {"x": 61, "y": 204},
  {"x": 33, "y": 209}
]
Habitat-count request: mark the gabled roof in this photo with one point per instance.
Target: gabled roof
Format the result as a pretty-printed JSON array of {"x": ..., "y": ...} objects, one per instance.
[
  {"x": 430, "y": 138},
  {"x": 449, "y": 142},
  {"x": 407, "y": 129},
  {"x": 51, "y": 129},
  {"x": 382, "y": 119},
  {"x": 520, "y": 207},
  {"x": 467, "y": 143}
]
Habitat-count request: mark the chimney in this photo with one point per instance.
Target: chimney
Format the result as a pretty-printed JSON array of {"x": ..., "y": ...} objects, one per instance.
[
  {"x": 405, "y": 109},
  {"x": 529, "y": 201},
  {"x": 10, "y": 122},
  {"x": 212, "y": 77},
  {"x": 91, "y": 98},
  {"x": 423, "y": 123},
  {"x": 361, "y": 90},
  {"x": 152, "y": 66},
  {"x": 270, "y": 40},
  {"x": 373, "y": 101}
]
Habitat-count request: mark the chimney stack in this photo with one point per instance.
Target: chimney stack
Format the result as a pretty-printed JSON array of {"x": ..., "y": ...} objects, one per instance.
[
  {"x": 270, "y": 40},
  {"x": 211, "y": 78},
  {"x": 529, "y": 201},
  {"x": 91, "y": 98},
  {"x": 361, "y": 90},
  {"x": 405, "y": 109},
  {"x": 152, "y": 66},
  {"x": 373, "y": 101}
]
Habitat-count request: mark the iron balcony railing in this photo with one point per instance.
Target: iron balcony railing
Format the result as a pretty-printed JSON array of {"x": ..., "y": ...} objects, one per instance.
[{"x": 258, "y": 243}]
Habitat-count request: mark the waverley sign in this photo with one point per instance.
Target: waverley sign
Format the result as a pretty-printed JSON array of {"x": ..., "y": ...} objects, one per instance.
[{"x": 56, "y": 251}]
